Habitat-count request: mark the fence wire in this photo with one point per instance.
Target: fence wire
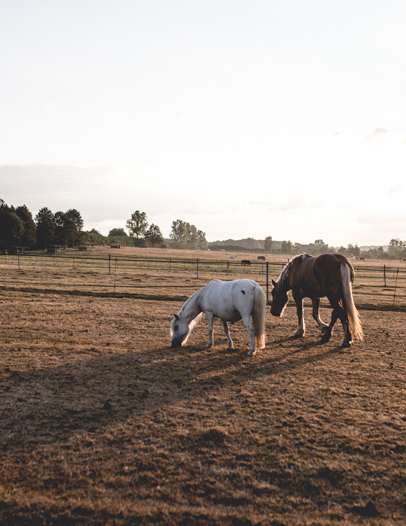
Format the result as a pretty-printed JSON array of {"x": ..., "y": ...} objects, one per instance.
[{"x": 380, "y": 285}]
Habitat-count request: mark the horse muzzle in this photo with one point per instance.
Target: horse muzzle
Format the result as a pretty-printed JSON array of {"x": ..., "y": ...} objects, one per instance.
[{"x": 176, "y": 343}]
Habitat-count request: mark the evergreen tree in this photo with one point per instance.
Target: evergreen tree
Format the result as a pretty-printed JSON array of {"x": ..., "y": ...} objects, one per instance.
[
  {"x": 68, "y": 227},
  {"x": 11, "y": 226},
  {"x": 46, "y": 227},
  {"x": 29, "y": 236}
]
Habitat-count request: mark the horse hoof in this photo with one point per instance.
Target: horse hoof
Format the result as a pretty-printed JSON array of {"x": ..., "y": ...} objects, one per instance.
[
  {"x": 346, "y": 344},
  {"x": 325, "y": 338},
  {"x": 251, "y": 353}
]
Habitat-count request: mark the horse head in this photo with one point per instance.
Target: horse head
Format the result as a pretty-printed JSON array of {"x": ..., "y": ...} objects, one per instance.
[
  {"x": 279, "y": 299},
  {"x": 180, "y": 331}
]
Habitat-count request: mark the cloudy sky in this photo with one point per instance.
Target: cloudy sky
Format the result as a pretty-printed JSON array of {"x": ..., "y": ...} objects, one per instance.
[{"x": 246, "y": 118}]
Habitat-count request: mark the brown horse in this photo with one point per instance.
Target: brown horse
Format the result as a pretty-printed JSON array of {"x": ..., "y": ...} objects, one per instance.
[{"x": 314, "y": 277}]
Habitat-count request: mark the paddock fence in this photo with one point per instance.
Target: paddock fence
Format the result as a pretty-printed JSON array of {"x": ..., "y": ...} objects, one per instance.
[{"x": 377, "y": 284}]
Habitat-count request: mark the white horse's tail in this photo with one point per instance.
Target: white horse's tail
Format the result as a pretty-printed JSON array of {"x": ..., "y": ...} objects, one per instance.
[
  {"x": 259, "y": 318},
  {"x": 353, "y": 317}
]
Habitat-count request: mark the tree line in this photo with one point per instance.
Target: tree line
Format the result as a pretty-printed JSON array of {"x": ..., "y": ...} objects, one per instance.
[
  {"x": 182, "y": 235},
  {"x": 18, "y": 228},
  {"x": 395, "y": 250}
]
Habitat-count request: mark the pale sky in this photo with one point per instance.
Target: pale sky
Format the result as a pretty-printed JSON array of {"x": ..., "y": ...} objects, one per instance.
[{"x": 245, "y": 118}]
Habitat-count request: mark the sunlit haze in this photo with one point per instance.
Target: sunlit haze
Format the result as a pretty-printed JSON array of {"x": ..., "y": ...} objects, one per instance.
[{"x": 244, "y": 118}]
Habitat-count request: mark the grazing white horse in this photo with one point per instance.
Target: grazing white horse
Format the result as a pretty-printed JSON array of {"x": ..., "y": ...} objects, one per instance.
[{"x": 228, "y": 300}]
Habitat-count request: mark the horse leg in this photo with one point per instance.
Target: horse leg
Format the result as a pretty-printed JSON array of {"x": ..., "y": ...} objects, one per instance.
[
  {"x": 316, "y": 316},
  {"x": 342, "y": 315},
  {"x": 347, "y": 340},
  {"x": 227, "y": 331},
  {"x": 338, "y": 313},
  {"x": 301, "y": 329},
  {"x": 210, "y": 317},
  {"x": 251, "y": 332},
  {"x": 327, "y": 331}
]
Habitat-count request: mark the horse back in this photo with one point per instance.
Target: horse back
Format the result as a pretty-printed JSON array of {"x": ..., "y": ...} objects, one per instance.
[
  {"x": 319, "y": 276},
  {"x": 329, "y": 264}
]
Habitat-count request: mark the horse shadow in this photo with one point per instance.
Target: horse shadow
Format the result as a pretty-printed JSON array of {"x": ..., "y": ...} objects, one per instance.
[{"x": 56, "y": 403}]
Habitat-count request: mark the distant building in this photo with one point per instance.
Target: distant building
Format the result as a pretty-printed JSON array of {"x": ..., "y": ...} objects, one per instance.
[
  {"x": 54, "y": 249},
  {"x": 16, "y": 250},
  {"x": 85, "y": 245}
]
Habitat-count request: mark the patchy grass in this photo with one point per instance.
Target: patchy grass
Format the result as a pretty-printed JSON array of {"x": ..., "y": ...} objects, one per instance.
[{"x": 103, "y": 423}]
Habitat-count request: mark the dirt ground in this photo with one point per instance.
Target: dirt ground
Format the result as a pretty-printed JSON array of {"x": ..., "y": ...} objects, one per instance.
[{"x": 103, "y": 423}]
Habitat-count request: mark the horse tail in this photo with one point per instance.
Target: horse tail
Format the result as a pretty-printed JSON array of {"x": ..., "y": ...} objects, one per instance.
[
  {"x": 259, "y": 317},
  {"x": 347, "y": 276}
]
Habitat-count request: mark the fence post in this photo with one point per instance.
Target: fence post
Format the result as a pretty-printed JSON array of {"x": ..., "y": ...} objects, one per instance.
[
  {"x": 396, "y": 286},
  {"x": 197, "y": 267},
  {"x": 18, "y": 252},
  {"x": 384, "y": 275},
  {"x": 267, "y": 281},
  {"x": 109, "y": 264}
]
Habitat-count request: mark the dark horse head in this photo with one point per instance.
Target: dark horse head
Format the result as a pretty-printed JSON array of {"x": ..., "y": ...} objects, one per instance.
[{"x": 279, "y": 299}]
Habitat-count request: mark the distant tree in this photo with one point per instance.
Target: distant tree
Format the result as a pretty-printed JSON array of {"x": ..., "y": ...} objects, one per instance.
[
  {"x": 178, "y": 232},
  {"x": 29, "y": 236},
  {"x": 320, "y": 247},
  {"x": 268, "y": 242},
  {"x": 353, "y": 250},
  {"x": 117, "y": 232},
  {"x": 94, "y": 231},
  {"x": 397, "y": 249},
  {"x": 11, "y": 226},
  {"x": 377, "y": 253},
  {"x": 201, "y": 240},
  {"x": 185, "y": 235},
  {"x": 137, "y": 225},
  {"x": 298, "y": 248},
  {"x": 154, "y": 235},
  {"x": 286, "y": 247},
  {"x": 68, "y": 227},
  {"x": 46, "y": 227}
]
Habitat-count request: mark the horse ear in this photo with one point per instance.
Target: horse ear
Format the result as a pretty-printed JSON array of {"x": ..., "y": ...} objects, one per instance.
[
  {"x": 176, "y": 317},
  {"x": 274, "y": 283}
]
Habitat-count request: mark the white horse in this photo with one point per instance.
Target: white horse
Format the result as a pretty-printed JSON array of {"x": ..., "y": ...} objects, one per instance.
[{"x": 228, "y": 300}]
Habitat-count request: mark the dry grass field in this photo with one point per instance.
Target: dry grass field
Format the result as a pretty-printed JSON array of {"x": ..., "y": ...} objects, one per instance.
[{"x": 103, "y": 423}]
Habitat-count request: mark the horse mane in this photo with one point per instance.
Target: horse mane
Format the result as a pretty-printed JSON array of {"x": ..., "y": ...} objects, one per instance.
[
  {"x": 284, "y": 275},
  {"x": 198, "y": 318}
]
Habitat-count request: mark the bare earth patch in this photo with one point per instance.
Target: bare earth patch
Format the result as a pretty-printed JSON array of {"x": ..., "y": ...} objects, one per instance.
[{"x": 103, "y": 423}]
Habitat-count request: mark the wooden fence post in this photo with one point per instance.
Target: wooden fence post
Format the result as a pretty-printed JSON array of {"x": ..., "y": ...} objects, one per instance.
[
  {"x": 384, "y": 275},
  {"x": 197, "y": 267},
  {"x": 396, "y": 286},
  {"x": 267, "y": 281}
]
